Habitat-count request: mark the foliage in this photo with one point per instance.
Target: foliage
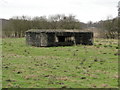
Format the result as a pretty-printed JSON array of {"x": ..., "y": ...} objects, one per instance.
[
  {"x": 18, "y": 25},
  {"x": 110, "y": 27}
]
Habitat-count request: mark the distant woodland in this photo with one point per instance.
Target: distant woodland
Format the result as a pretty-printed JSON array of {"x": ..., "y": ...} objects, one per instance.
[{"x": 17, "y": 26}]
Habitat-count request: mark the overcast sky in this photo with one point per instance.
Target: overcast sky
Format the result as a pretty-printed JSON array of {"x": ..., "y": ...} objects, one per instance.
[{"x": 84, "y": 10}]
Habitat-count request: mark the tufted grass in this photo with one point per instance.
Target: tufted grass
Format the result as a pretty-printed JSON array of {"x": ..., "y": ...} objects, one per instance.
[{"x": 79, "y": 66}]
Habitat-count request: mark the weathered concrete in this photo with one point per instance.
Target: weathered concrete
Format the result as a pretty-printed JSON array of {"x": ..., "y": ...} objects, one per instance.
[{"x": 58, "y": 37}]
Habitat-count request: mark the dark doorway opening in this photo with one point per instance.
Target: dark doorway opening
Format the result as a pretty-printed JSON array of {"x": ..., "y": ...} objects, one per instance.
[{"x": 61, "y": 38}]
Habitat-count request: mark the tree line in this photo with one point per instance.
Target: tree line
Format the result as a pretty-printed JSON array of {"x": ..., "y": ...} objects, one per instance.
[
  {"x": 17, "y": 26},
  {"x": 110, "y": 27}
]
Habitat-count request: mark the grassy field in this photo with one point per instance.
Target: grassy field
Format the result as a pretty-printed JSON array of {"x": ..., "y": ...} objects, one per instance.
[{"x": 60, "y": 67}]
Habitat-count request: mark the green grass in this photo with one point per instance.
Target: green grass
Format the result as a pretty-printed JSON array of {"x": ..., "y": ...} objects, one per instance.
[{"x": 59, "y": 67}]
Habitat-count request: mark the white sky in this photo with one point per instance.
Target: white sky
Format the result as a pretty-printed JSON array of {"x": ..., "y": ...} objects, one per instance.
[{"x": 84, "y": 10}]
